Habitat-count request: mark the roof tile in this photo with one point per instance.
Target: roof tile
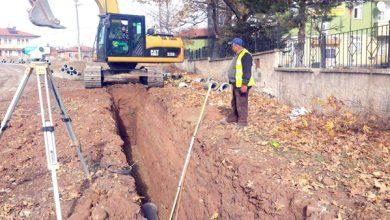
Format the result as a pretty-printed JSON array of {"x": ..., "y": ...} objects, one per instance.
[{"x": 12, "y": 32}]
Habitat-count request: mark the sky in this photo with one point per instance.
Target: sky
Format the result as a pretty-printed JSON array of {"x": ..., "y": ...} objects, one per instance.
[{"x": 14, "y": 13}]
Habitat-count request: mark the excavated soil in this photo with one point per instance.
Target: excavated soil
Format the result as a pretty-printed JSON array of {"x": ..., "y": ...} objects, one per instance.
[
  {"x": 158, "y": 137},
  {"x": 242, "y": 173},
  {"x": 135, "y": 141}
]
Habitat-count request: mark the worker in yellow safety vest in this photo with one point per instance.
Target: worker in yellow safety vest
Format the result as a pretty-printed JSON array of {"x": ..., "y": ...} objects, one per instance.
[{"x": 241, "y": 79}]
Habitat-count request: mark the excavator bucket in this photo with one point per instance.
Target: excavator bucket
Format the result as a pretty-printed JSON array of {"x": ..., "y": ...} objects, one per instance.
[{"x": 40, "y": 14}]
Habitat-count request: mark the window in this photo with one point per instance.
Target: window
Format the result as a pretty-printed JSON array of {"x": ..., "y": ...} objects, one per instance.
[
  {"x": 381, "y": 15},
  {"x": 138, "y": 38},
  {"x": 101, "y": 36},
  {"x": 358, "y": 11},
  {"x": 118, "y": 38},
  {"x": 326, "y": 27},
  {"x": 330, "y": 53},
  {"x": 137, "y": 31}
]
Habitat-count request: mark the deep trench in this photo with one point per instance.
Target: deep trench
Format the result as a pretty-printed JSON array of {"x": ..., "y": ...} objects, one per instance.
[
  {"x": 140, "y": 185},
  {"x": 210, "y": 188}
]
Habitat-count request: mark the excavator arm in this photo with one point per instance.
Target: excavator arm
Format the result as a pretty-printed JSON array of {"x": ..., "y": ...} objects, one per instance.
[
  {"x": 108, "y": 6},
  {"x": 40, "y": 13}
]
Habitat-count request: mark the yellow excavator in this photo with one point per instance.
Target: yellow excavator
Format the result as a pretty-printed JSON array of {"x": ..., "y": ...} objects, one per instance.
[{"x": 121, "y": 42}]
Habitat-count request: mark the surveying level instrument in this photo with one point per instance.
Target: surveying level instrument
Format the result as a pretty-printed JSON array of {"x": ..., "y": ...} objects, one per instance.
[{"x": 42, "y": 70}]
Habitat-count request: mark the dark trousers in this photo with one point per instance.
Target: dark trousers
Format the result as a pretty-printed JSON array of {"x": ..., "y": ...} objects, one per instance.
[{"x": 240, "y": 105}]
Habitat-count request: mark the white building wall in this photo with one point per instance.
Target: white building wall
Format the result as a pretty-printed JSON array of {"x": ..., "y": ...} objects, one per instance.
[
  {"x": 384, "y": 15},
  {"x": 11, "y": 47}
]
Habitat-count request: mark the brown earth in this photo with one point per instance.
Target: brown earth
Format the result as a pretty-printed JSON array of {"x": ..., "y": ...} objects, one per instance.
[
  {"x": 327, "y": 165},
  {"x": 25, "y": 185},
  {"x": 274, "y": 169}
]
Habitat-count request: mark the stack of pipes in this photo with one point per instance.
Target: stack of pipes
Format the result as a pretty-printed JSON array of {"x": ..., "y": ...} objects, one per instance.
[{"x": 70, "y": 70}]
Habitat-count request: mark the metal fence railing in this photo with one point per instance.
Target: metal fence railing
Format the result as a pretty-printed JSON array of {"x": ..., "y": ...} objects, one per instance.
[
  {"x": 360, "y": 48},
  {"x": 224, "y": 50}
]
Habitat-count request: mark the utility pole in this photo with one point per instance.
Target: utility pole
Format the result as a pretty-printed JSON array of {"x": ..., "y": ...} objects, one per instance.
[{"x": 76, "y": 3}]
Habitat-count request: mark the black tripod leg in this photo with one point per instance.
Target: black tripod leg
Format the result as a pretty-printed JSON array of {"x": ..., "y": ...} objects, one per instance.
[{"x": 68, "y": 123}]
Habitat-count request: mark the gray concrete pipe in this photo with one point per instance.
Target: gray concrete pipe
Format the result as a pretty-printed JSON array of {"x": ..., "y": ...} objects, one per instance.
[
  {"x": 224, "y": 87},
  {"x": 214, "y": 85}
]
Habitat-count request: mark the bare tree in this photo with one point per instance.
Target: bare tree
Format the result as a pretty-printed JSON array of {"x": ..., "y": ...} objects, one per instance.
[{"x": 165, "y": 14}]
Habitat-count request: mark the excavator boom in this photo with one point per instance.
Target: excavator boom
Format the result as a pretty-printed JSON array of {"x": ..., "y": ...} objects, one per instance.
[
  {"x": 40, "y": 14},
  {"x": 108, "y": 6}
]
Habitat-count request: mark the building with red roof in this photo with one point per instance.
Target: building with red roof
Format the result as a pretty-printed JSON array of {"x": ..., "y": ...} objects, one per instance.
[
  {"x": 71, "y": 53},
  {"x": 12, "y": 41},
  {"x": 195, "y": 38},
  {"x": 195, "y": 33}
]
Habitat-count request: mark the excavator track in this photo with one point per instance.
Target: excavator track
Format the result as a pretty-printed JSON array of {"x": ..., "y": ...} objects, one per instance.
[
  {"x": 155, "y": 81},
  {"x": 93, "y": 77},
  {"x": 96, "y": 77}
]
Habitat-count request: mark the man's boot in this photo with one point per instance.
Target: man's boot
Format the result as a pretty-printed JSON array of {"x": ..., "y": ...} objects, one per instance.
[
  {"x": 231, "y": 118},
  {"x": 242, "y": 124}
]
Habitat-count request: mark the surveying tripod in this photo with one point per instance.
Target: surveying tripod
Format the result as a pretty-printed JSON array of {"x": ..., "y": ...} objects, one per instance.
[{"x": 42, "y": 69}]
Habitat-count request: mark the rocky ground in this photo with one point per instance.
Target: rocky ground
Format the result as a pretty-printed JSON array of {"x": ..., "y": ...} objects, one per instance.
[{"x": 328, "y": 164}]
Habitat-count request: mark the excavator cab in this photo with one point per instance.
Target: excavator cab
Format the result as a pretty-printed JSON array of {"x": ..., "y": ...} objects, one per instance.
[
  {"x": 120, "y": 36},
  {"x": 121, "y": 41}
]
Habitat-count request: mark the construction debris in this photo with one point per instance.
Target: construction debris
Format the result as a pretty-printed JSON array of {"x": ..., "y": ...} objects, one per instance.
[
  {"x": 296, "y": 112},
  {"x": 183, "y": 85}
]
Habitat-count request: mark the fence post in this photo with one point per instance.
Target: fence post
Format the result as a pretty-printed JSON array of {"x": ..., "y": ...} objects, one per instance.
[
  {"x": 323, "y": 50},
  {"x": 255, "y": 44},
  {"x": 388, "y": 46}
]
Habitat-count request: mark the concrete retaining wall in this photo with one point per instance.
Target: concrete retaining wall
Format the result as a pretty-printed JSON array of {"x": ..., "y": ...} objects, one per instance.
[{"x": 364, "y": 90}]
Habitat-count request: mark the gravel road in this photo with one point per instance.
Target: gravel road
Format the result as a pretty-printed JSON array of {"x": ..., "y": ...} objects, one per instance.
[{"x": 10, "y": 75}]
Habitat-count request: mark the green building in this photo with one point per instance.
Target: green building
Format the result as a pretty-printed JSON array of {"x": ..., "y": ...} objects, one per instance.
[
  {"x": 196, "y": 38},
  {"x": 357, "y": 35}
]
